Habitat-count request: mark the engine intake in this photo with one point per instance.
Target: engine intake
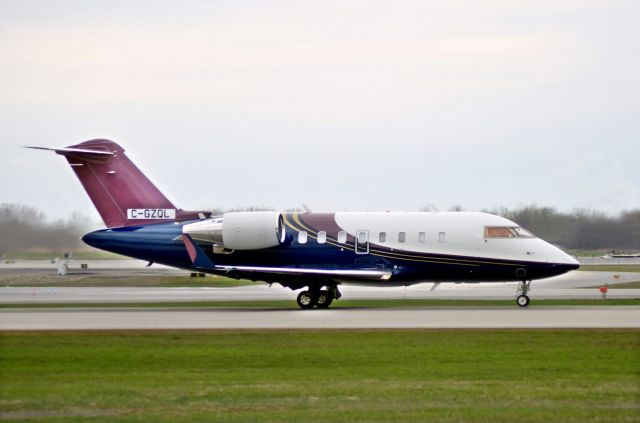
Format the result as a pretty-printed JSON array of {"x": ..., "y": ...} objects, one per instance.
[{"x": 240, "y": 230}]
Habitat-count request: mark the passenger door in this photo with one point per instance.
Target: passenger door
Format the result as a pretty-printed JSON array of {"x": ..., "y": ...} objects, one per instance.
[{"x": 362, "y": 242}]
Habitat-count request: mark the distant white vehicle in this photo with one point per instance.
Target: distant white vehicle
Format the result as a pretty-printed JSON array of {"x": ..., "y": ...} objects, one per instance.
[{"x": 620, "y": 255}]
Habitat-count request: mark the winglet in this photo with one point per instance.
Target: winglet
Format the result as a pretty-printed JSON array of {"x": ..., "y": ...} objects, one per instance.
[{"x": 199, "y": 259}]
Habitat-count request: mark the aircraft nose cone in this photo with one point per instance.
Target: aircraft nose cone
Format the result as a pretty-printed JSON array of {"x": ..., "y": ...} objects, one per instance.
[
  {"x": 566, "y": 264},
  {"x": 557, "y": 261},
  {"x": 571, "y": 263},
  {"x": 571, "y": 266}
]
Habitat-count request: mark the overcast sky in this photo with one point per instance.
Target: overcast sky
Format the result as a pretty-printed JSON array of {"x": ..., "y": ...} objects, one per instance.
[{"x": 340, "y": 105}]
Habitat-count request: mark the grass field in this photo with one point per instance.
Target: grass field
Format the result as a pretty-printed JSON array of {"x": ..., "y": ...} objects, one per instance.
[
  {"x": 611, "y": 267},
  {"x": 49, "y": 255},
  {"x": 279, "y": 304},
  {"x": 626, "y": 285},
  {"x": 77, "y": 280},
  {"x": 320, "y": 376}
]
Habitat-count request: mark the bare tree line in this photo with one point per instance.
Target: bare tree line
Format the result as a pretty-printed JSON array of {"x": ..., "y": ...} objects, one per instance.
[
  {"x": 580, "y": 229},
  {"x": 583, "y": 229},
  {"x": 24, "y": 227}
]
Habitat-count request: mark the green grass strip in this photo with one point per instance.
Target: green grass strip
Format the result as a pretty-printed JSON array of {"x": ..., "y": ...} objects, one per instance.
[
  {"x": 319, "y": 376},
  {"x": 77, "y": 279},
  {"x": 75, "y": 255},
  {"x": 610, "y": 267},
  {"x": 625, "y": 285}
]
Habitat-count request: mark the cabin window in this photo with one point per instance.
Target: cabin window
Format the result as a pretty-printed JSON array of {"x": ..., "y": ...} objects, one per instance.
[
  {"x": 382, "y": 237},
  {"x": 441, "y": 236},
  {"x": 302, "y": 237},
  {"x": 322, "y": 237},
  {"x": 402, "y": 236},
  {"x": 342, "y": 237},
  {"x": 421, "y": 237}
]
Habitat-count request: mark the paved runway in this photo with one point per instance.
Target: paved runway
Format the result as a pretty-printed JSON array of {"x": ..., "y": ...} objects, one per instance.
[
  {"x": 263, "y": 292},
  {"x": 572, "y": 285},
  {"x": 576, "y": 285},
  {"x": 481, "y": 317}
]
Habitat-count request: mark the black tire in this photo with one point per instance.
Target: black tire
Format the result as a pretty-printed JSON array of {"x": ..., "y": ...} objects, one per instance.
[
  {"x": 324, "y": 299},
  {"x": 522, "y": 300},
  {"x": 306, "y": 300}
]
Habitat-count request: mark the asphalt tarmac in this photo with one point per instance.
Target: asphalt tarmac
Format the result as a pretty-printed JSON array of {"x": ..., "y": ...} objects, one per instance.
[
  {"x": 571, "y": 285},
  {"x": 263, "y": 292},
  {"x": 360, "y": 318}
]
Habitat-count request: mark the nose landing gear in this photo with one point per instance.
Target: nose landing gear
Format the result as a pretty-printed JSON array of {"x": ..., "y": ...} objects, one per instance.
[{"x": 522, "y": 299}]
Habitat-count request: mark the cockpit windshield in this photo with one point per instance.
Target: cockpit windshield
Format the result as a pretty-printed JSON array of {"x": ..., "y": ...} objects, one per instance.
[
  {"x": 506, "y": 232},
  {"x": 522, "y": 232}
]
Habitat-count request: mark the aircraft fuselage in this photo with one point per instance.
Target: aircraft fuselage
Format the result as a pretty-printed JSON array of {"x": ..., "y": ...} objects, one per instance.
[{"x": 413, "y": 247}]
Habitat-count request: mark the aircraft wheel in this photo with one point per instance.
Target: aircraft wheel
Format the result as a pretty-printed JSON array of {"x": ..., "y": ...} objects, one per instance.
[
  {"x": 306, "y": 300},
  {"x": 324, "y": 299},
  {"x": 522, "y": 300}
]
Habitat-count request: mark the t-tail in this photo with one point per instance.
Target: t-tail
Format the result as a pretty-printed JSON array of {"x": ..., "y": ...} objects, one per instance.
[{"x": 121, "y": 193}]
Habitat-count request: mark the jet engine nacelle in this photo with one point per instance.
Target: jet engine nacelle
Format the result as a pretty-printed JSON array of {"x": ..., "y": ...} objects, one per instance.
[{"x": 240, "y": 230}]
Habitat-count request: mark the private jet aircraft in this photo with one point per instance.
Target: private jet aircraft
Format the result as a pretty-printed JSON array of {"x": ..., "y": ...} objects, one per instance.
[{"x": 315, "y": 252}]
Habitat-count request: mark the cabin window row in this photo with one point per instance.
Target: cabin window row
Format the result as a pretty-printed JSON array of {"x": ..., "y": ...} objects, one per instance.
[
  {"x": 382, "y": 237},
  {"x": 402, "y": 237}
]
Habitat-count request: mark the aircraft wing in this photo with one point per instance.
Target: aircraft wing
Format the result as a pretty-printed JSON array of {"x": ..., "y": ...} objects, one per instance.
[{"x": 201, "y": 261}]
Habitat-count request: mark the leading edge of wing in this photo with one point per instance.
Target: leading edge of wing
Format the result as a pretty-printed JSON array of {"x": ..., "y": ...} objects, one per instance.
[{"x": 368, "y": 274}]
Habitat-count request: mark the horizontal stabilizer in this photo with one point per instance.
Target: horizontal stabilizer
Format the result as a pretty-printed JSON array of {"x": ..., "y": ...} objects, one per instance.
[{"x": 65, "y": 151}]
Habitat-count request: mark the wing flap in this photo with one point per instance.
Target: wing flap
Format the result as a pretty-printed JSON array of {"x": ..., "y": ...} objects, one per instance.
[
  {"x": 201, "y": 261},
  {"x": 346, "y": 273}
]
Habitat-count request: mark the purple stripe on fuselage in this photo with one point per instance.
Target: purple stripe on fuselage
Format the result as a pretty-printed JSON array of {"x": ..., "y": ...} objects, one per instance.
[{"x": 323, "y": 222}]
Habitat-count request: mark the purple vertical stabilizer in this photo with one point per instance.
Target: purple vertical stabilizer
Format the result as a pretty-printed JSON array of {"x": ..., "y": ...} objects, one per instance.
[{"x": 123, "y": 195}]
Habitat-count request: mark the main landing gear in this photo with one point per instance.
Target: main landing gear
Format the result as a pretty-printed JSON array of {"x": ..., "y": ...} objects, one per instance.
[
  {"x": 521, "y": 294},
  {"x": 320, "y": 298}
]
